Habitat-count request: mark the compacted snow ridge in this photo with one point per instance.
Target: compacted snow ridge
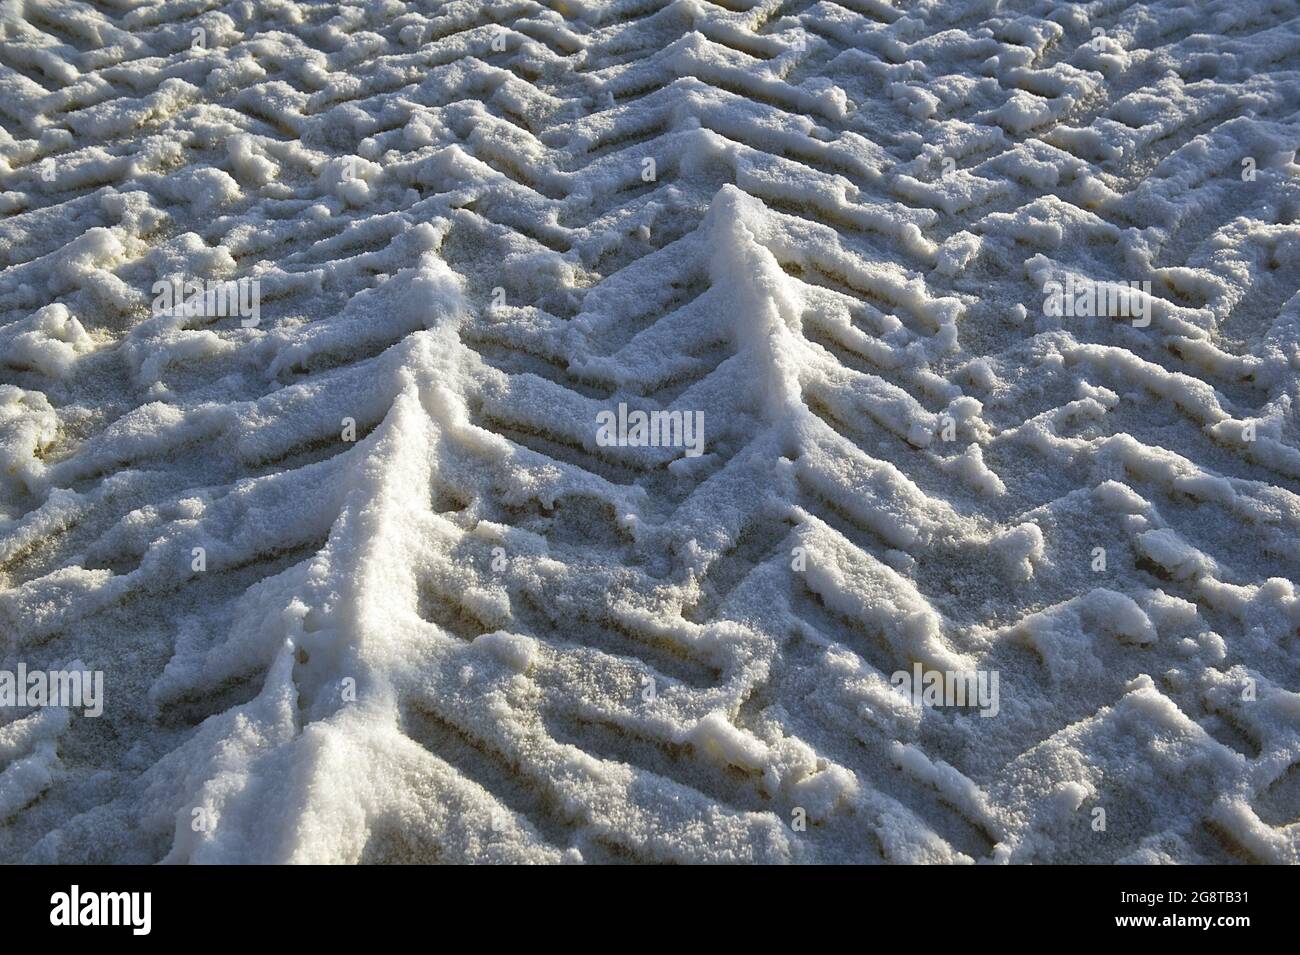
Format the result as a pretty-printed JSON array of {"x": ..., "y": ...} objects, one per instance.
[{"x": 368, "y": 580}]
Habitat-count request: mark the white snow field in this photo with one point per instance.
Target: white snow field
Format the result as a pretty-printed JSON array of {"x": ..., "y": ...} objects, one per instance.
[{"x": 988, "y": 312}]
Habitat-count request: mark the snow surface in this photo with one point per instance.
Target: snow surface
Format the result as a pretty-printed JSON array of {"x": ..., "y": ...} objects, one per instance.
[{"x": 475, "y": 634}]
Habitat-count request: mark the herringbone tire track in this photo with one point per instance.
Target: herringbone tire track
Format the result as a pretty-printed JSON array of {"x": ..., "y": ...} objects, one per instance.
[{"x": 437, "y": 618}]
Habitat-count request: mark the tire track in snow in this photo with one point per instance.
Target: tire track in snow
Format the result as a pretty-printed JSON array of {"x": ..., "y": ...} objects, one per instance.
[{"x": 438, "y": 641}]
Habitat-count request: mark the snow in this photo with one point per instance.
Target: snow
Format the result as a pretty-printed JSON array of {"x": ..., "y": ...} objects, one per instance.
[{"x": 367, "y": 583}]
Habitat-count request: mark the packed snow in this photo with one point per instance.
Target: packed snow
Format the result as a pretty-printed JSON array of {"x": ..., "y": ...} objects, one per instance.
[{"x": 576, "y": 431}]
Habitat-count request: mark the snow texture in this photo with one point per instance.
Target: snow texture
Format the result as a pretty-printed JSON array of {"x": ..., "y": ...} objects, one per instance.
[{"x": 470, "y": 632}]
